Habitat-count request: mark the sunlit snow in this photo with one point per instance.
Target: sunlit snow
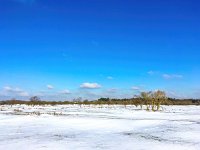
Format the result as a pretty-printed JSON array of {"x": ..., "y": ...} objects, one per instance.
[{"x": 78, "y": 127}]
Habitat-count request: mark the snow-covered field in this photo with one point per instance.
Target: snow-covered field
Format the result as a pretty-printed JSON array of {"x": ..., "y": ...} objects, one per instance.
[{"x": 74, "y": 127}]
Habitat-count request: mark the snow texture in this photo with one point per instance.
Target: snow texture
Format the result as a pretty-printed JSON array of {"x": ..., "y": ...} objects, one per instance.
[{"x": 79, "y": 127}]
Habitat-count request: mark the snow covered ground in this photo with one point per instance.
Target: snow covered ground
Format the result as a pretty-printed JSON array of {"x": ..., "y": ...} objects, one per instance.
[{"x": 74, "y": 127}]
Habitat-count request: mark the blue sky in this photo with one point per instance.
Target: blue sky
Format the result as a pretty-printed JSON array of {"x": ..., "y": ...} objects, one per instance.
[{"x": 66, "y": 49}]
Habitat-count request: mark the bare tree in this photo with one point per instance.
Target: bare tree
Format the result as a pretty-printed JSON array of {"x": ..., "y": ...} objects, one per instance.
[
  {"x": 34, "y": 99},
  {"x": 146, "y": 97},
  {"x": 153, "y": 100},
  {"x": 158, "y": 97}
]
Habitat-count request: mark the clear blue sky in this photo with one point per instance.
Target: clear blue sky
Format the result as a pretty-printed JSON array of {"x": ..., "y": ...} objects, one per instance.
[{"x": 91, "y": 48}]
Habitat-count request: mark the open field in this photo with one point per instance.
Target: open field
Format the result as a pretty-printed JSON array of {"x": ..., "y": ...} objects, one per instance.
[{"x": 90, "y": 127}]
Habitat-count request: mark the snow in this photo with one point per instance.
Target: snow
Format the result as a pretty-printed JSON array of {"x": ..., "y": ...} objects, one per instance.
[{"x": 79, "y": 127}]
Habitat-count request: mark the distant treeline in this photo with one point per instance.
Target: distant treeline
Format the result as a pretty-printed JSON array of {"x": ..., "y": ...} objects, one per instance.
[{"x": 101, "y": 101}]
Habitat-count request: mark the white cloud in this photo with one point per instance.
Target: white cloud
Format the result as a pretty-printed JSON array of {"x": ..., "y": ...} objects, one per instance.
[
  {"x": 166, "y": 76},
  {"x": 135, "y": 88},
  {"x": 178, "y": 76},
  {"x": 65, "y": 92},
  {"x": 110, "y": 78},
  {"x": 172, "y": 76},
  {"x": 90, "y": 85},
  {"x": 10, "y": 89},
  {"x": 50, "y": 87},
  {"x": 14, "y": 91},
  {"x": 7, "y": 88}
]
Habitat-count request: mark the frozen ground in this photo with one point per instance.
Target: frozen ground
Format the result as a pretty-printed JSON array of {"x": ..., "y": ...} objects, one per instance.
[{"x": 74, "y": 127}]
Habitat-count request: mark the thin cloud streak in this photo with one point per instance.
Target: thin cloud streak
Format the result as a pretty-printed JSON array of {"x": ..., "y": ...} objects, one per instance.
[{"x": 172, "y": 76}]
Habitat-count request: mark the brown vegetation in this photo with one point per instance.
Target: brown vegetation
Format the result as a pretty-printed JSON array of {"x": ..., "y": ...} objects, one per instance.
[
  {"x": 152, "y": 101},
  {"x": 133, "y": 101}
]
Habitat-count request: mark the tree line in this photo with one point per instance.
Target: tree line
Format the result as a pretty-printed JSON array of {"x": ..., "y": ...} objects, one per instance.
[{"x": 151, "y": 100}]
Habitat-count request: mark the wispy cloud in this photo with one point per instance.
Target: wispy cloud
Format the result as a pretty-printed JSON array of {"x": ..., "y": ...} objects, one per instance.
[
  {"x": 10, "y": 91},
  {"x": 151, "y": 72},
  {"x": 176, "y": 94},
  {"x": 110, "y": 78},
  {"x": 50, "y": 87},
  {"x": 165, "y": 75},
  {"x": 88, "y": 85},
  {"x": 95, "y": 43},
  {"x": 135, "y": 88},
  {"x": 172, "y": 76},
  {"x": 23, "y": 94},
  {"x": 112, "y": 90},
  {"x": 66, "y": 56},
  {"x": 64, "y": 92},
  {"x": 7, "y": 88}
]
